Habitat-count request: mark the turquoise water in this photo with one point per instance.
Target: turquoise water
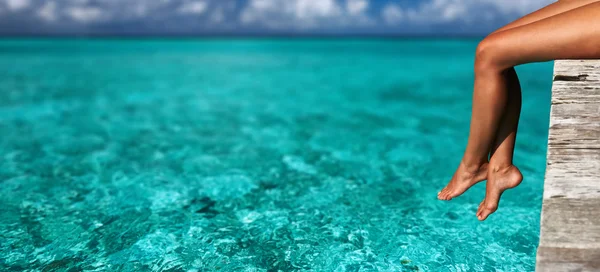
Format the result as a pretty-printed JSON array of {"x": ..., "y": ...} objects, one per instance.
[{"x": 253, "y": 155}]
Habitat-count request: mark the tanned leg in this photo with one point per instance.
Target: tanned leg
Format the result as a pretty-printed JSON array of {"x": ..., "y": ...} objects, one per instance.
[
  {"x": 501, "y": 168},
  {"x": 547, "y": 11},
  {"x": 489, "y": 105},
  {"x": 574, "y": 34},
  {"x": 473, "y": 167}
]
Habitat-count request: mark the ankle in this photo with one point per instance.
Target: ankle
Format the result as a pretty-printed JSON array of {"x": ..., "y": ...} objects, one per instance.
[
  {"x": 499, "y": 167},
  {"x": 473, "y": 166}
]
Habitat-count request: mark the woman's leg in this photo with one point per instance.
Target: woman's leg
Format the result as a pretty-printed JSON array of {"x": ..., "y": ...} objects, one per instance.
[
  {"x": 472, "y": 171},
  {"x": 547, "y": 11},
  {"x": 501, "y": 168},
  {"x": 574, "y": 34},
  {"x": 495, "y": 116},
  {"x": 504, "y": 143}
]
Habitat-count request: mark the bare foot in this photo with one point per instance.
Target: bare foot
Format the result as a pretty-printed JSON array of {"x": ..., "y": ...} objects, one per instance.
[
  {"x": 462, "y": 180},
  {"x": 499, "y": 180}
]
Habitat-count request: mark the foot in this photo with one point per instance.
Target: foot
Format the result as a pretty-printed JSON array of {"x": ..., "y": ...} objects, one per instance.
[
  {"x": 499, "y": 180},
  {"x": 463, "y": 179}
]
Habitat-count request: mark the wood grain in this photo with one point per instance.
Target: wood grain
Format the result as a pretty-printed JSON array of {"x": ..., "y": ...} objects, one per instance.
[{"x": 570, "y": 225}]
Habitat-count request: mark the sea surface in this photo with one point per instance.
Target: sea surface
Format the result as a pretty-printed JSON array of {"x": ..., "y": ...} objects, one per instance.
[{"x": 254, "y": 155}]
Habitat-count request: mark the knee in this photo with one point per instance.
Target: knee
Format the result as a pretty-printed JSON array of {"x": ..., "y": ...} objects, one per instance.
[{"x": 487, "y": 55}]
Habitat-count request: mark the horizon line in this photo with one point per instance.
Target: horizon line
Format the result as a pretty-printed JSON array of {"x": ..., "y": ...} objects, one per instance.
[{"x": 244, "y": 36}]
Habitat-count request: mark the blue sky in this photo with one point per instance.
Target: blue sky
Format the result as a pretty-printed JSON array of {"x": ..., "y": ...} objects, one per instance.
[{"x": 246, "y": 17}]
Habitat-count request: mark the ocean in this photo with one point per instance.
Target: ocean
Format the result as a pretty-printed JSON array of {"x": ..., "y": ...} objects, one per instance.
[{"x": 254, "y": 155}]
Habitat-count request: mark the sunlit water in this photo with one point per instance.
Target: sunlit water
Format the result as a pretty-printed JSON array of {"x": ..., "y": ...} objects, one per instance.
[{"x": 253, "y": 155}]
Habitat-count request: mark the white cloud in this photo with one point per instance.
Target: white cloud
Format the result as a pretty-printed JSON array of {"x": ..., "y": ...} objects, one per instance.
[
  {"x": 196, "y": 7},
  {"x": 48, "y": 11},
  {"x": 311, "y": 8},
  {"x": 470, "y": 11},
  {"x": 356, "y": 7},
  {"x": 305, "y": 14},
  {"x": 434, "y": 11},
  {"x": 15, "y": 5},
  {"x": 115, "y": 11},
  {"x": 284, "y": 15},
  {"x": 519, "y": 7},
  {"x": 445, "y": 10},
  {"x": 85, "y": 14},
  {"x": 288, "y": 13}
]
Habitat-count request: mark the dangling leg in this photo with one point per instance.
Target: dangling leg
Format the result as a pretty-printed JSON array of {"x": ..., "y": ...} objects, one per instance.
[
  {"x": 489, "y": 105},
  {"x": 501, "y": 172},
  {"x": 473, "y": 167},
  {"x": 574, "y": 34}
]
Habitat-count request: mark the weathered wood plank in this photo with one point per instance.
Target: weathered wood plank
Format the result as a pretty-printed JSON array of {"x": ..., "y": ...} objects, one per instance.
[
  {"x": 570, "y": 225},
  {"x": 579, "y": 228},
  {"x": 567, "y": 177}
]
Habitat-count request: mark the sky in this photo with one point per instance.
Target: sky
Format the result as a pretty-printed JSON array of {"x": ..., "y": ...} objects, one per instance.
[{"x": 259, "y": 17}]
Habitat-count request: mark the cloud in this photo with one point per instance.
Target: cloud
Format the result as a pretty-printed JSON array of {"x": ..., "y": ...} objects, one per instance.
[
  {"x": 48, "y": 11},
  {"x": 85, "y": 14},
  {"x": 356, "y": 7},
  {"x": 196, "y": 7},
  {"x": 305, "y": 14},
  {"x": 519, "y": 7},
  {"x": 15, "y": 5},
  {"x": 466, "y": 11},
  {"x": 310, "y": 9},
  {"x": 243, "y": 16},
  {"x": 288, "y": 13},
  {"x": 433, "y": 11}
]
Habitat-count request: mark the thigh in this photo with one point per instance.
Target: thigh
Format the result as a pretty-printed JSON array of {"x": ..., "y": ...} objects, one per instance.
[
  {"x": 574, "y": 34},
  {"x": 547, "y": 11}
]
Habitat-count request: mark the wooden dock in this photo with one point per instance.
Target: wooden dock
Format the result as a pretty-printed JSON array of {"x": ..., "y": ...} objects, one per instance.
[{"x": 570, "y": 225}]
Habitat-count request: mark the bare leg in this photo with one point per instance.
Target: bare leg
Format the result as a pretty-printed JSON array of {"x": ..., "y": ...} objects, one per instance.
[
  {"x": 473, "y": 167},
  {"x": 504, "y": 143},
  {"x": 501, "y": 168},
  {"x": 547, "y": 11},
  {"x": 574, "y": 34},
  {"x": 490, "y": 103}
]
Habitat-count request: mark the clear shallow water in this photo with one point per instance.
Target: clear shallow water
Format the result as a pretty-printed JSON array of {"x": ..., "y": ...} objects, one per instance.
[{"x": 253, "y": 155}]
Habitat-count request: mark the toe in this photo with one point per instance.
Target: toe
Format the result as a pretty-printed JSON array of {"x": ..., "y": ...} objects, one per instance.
[
  {"x": 446, "y": 195},
  {"x": 442, "y": 194},
  {"x": 490, "y": 202},
  {"x": 479, "y": 209},
  {"x": 486, "y": 211}
]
